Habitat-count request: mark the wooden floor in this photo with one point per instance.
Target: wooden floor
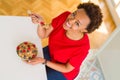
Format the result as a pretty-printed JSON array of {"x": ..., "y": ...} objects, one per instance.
[{"x": 51, "y": 8}]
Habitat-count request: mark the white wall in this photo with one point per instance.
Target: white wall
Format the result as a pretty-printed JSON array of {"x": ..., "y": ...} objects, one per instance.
[
  {"x": 109, "y": 56},
  {"x": 109, "y": 53}
]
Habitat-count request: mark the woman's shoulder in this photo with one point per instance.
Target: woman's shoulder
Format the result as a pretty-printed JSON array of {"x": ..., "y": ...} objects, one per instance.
[{"x": 59, "y": 19}]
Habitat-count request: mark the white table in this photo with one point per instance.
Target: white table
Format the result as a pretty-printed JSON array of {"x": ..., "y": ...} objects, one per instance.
[{"x": 13, "y": 31}]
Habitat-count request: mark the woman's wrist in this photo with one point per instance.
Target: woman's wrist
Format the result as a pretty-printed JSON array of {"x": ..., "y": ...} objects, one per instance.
[
  {"x": 41, "y": 23},
  {"x": 45, "y": 62}
]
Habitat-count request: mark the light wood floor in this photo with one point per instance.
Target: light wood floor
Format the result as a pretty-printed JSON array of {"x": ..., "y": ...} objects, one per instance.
[{"x": 51, "y": 8}]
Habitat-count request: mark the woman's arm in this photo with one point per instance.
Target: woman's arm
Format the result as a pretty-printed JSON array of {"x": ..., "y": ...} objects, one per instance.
[
  {"x": 60, "y": 67},
  {"x": 43, "y": 30},
  {"x": 56, "y": 66}
]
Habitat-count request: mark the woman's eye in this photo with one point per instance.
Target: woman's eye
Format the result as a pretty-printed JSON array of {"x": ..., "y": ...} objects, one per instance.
[
  {"x": 77, "y": 23},
  {"x": 73, "y": 14}
]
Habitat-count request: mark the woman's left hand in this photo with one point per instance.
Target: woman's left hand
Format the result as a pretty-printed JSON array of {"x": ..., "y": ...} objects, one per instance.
[{"x": 36, "y": 60}]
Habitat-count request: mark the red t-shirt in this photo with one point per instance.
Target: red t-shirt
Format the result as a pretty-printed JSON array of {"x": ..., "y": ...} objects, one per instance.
[{"x": 63, "y": 49}]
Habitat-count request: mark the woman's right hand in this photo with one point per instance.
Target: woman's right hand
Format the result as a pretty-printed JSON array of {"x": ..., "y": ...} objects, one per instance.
[{"x": 36, "y": 19}]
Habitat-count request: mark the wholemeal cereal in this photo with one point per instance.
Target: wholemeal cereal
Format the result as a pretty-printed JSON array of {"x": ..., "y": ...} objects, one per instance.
[{"x": 27, "y": 50}]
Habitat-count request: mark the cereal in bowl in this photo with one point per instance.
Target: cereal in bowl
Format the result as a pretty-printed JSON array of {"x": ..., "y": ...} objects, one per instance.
[{"x": 27, "y": 50}]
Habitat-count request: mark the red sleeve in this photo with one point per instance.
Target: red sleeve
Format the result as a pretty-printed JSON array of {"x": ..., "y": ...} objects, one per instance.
[
  {"x": 77, "y": 59},
  {"x": 60, "y": 19}
]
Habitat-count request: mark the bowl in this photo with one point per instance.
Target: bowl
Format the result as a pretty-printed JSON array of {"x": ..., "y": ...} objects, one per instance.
[{"x": 27, "y": 50}]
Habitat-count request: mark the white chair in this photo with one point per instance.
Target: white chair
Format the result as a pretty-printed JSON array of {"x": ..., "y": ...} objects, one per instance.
[{"x": 86, "y": 65}]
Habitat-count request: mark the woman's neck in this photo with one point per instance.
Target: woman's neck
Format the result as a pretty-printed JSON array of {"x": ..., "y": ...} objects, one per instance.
[{"x": 74, "y": 36}]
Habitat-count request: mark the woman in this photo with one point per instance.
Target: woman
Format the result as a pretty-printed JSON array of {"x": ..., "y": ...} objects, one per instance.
[{"x": 68, "y": 40}]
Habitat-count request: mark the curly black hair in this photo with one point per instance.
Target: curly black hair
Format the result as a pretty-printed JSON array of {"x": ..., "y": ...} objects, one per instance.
[{"x": 94, "y": 13}]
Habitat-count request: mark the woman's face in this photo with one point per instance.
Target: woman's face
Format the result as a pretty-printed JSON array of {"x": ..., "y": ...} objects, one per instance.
[{"x": 77, "y": 21}]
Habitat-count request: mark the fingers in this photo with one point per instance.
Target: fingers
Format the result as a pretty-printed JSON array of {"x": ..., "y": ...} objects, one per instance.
[
  {"x": 34, "y": 61},
  {"x": 31, "y": 62},
  {"x": 35, "y": 18}
]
